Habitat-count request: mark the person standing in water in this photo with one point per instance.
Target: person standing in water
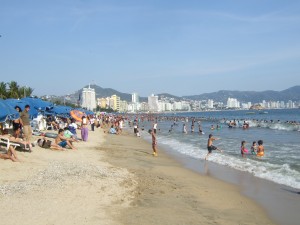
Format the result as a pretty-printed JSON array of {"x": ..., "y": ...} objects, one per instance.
[
  {"x": 260, "y": 148},
  {"x": 184, "y": 129},
  {"x": 243, "y": 148},
  {"x": 253, "y": 148},
  {"x": 210, "y": 146}
]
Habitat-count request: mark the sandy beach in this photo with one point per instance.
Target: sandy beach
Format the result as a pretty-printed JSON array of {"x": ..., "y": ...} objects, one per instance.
[{"x": 114, "y": 179}]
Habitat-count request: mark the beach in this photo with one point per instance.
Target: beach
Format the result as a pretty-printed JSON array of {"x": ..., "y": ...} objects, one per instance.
[{"x": 114, "y": 179}]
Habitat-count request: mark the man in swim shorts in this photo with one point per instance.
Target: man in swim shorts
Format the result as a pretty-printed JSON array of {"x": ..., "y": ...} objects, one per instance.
[
  {"x": 210, "y": 146},
  {"x": 62, "y": 141}
]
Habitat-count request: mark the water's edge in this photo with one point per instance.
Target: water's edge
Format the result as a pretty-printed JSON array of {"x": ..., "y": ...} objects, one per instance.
[{"x": 282, "y": 203}]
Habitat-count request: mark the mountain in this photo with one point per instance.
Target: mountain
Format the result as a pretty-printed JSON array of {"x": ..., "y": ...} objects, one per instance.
[
  {"x": 103, "y": 93},
  {"x": 292, "y": 93}
]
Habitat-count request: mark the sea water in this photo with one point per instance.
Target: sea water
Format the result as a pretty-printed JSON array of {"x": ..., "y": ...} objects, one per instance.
[{"x": 279, "y": 130}]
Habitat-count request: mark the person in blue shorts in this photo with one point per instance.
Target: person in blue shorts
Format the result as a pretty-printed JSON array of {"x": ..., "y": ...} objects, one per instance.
[
  {"x": 63, "y": 141},
  {"x": 210, "y": 146}
]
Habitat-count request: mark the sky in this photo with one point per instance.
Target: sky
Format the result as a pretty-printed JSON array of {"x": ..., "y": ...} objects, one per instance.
[{"x": 150, "y": 46}]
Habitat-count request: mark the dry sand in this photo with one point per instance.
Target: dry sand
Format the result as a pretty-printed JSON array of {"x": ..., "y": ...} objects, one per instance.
[
  {"x": 63, "y": 187},
  {"x": 169, "y": 194},
  {"x": 114, "y": 179}
]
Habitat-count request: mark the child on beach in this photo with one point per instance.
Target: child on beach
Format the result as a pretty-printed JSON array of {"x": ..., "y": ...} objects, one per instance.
[
  {"x": 253, "y": 148},
  {"x": 154, "y": 142},
  {"x": 210, "y": 146},
  {"x": 260, "y": 149},
  {"x": 243, "y": 148}
]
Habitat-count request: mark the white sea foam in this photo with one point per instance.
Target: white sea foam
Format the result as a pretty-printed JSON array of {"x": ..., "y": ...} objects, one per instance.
[{"x": 261, "y": 168}]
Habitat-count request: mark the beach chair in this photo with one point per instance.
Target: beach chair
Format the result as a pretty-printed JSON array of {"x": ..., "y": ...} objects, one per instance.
[{"x": 4, "y": 141}]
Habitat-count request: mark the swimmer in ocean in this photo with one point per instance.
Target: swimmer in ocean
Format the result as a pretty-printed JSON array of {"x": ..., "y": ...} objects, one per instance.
[
  {"x": 243, "y": 148},
  {"x": 253, "y": 148},
  {"x": 260, "y": 149}
]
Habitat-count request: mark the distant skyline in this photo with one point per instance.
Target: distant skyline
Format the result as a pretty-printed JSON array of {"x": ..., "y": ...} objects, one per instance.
[{"x": 177, "y": 47}]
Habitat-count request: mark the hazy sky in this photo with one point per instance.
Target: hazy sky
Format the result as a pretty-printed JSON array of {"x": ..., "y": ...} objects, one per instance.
[{"x": 182, "y": 47}]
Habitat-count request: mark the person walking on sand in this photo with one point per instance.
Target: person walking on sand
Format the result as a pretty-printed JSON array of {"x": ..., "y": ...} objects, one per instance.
[
  {"x": 84, "y": 129},
  {"x": 154, "y": 142},
  {"x": 210, "y": 146}
]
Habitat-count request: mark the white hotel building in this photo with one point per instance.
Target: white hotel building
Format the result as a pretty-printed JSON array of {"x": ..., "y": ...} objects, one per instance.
[{"x": 88, "y": 98}]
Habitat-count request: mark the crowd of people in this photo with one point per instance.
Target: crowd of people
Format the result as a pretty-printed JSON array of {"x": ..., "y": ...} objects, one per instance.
[
  {"x": 257, "y": 148},
  {"x": 60, "y": 133},
  {"x": 66, "y": 131}
]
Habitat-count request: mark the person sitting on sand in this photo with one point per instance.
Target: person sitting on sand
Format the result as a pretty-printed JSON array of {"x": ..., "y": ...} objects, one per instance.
[
  {"x": 112, "y": 130},
  {"x": 11, "y": 154},
  {"x": 210, "y": 146},
  {"x": 62, "y": 141},
  {"x": 69, "y": 134},
  {"x": 44, "y": 143}
]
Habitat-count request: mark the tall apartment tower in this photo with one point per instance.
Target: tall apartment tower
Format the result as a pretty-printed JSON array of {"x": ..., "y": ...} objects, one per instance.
[
  {"x": 88, "y": 98},
  {"x": 116, "y": 102},
  {"x": 153, "y": 103},
  {"x": 135, "y": 98}
]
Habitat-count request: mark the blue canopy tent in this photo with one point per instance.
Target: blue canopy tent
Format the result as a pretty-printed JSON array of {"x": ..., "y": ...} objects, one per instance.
[
  {"x": 88, "y": 112},
  {"x": 38, "y": 103},
  {"x": 7, "y": 112},
  {"x": 59, "y": 110},
  {"x": 21, "y": 103}
]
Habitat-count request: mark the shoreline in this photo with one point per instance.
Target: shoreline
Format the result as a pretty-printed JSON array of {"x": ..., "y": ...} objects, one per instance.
[
  {"x": 168, "y": 193},
  {"x": 265, "y": 193},
  {"x": 114, "y": 179}
]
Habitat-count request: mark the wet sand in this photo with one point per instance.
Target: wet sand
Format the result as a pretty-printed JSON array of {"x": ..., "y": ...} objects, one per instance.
[
  {"x": 114, "y": 179},
  {"x": 167, "y": 193}
]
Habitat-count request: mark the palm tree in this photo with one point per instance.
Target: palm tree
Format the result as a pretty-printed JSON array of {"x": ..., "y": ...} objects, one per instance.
[
  {"x": 29, "y": 91},
  {"x": 13, "y": 90},
  {"x": 3, "y": 90}
]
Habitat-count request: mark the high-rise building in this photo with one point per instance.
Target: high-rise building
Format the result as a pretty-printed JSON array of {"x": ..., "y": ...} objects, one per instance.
[
  {"x": 88, "y": 98},
  {"x": 233, "y": 103},
  {"x": 103, "y": 102},
  {"x": 135, "y": 98},
  {"x": 116, "y": 102},
  {"x": 210, "y": 103},
  {"x": 153, "y": 103}
]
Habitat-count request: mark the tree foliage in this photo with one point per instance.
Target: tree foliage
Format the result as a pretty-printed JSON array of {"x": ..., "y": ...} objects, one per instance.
[{"x": 13, "y": 90}]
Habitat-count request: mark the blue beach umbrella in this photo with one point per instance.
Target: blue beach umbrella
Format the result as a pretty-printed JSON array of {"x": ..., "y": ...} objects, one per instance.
[
  {"x": 21, "y": 103},
  {"x": 7, "y": 112},
  {"x": 88, "y": 112},
  {"x": 38, "y": 103},
  {"x": 60, "y": 110}
]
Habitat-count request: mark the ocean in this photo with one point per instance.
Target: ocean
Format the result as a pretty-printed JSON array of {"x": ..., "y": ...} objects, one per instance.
[{"x": 279, "y": 129}]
